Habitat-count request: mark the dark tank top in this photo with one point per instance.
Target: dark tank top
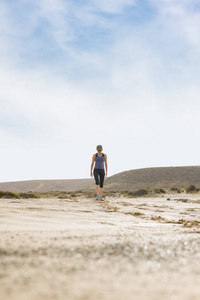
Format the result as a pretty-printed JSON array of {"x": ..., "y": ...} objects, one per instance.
[{"x": 99, "y": 162}]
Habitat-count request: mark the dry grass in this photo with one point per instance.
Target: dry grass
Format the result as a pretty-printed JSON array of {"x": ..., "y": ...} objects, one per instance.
[
  {"x": 158, "y": 218},
  {"x": 9, "y": 195},
  {"x": 189, "y": 223},
  {"x": 135, "y": 214}
]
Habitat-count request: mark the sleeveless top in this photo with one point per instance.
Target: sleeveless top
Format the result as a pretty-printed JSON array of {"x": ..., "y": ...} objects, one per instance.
[{"x": 99, "y": 162}]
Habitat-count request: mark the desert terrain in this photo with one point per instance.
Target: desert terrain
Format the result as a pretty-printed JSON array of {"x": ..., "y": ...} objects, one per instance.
[
  {"x": 159, "y": 177},
  {"x": 83, "y": 249}
]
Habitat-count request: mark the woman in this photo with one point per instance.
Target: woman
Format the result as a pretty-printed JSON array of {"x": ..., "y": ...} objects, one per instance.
[{"x": 100, "y": 159}]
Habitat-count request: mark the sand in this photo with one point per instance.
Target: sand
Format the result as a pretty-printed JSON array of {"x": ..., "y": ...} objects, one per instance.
[{"x": 82, "y": 249}]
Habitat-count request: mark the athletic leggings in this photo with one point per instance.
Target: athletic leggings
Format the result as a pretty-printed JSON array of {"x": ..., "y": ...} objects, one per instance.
[{"x": 99, "y": 173}]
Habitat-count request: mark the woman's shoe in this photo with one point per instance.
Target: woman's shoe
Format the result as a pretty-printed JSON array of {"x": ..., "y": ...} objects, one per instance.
[
  {"x": 97, "y": 197},
  {"x": 100, "y": 198}
]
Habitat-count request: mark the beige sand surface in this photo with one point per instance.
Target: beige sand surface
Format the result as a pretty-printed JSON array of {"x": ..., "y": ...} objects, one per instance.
[{"x": 145, "y": 248}]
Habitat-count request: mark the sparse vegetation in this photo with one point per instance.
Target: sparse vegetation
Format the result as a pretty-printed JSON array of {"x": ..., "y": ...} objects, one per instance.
[
  {"x": 135, "y": 214},
  {"x": 73, "y": 195},
  {"x": 192, "y": 188},
  {"x": 140, "y": 193},
  {"x": 62, "y": 197},
  {"x": 9, "y": 195},
  {"x": 159, "y": 191},
  {"x": 70, "y": 195},
  {"x": 137, "y": 193},
  {"x": 91, "y": 193},
  {"x": 175, "y": 189},
  {"x": 157, "y": 218},
  {"x": 189, "y": 223},
  {"x": 29, "y": 195}
]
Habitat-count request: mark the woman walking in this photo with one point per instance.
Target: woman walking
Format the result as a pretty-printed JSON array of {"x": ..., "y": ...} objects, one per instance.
[{"x": 99, "y": 173}]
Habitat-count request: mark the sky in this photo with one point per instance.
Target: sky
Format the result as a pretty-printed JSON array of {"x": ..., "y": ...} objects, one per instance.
[{"x": 74, "y": 74}]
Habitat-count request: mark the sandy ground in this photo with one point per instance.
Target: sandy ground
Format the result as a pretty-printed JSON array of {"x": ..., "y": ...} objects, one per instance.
[{"x": 145, "y": 248}]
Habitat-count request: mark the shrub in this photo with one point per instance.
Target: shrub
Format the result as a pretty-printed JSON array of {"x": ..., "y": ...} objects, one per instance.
[
  {"x": 124, "y": 192},
  {"x": 73, "y": 195},
  {"x": 159, "y": 191},
  {"x": 62, "y": 197},
  {"x": 174, "y": 189},
  {"x": 141, "y": 192},
  {"x": 9, "y": 195},
  {"x": 138, "y": 193},
  {"x": 191, "y": 188},
  {"x": 29, "y": 195}
]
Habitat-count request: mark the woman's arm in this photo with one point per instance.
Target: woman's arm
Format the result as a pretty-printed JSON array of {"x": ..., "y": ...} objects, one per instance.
[
  {"x": 106, "y": 165},
  {"x": 92, "y": 164}
]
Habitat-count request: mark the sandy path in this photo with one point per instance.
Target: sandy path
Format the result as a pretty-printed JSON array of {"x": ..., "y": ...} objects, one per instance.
[{"x": 146, "y": 248}]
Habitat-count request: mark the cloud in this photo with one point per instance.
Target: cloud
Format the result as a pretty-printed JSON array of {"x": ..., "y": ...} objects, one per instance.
[
  {"x": 97, "y": 72},
  {"x": 182, "y": 16},
  {"x": 113, "y": 6}
]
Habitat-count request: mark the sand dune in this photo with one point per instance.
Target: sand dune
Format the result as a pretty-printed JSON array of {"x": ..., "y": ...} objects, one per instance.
[{"x": 145, "y": 248}]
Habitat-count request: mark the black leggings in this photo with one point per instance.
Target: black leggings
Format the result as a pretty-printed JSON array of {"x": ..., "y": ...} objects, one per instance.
[{"x": 99, "y": 173}]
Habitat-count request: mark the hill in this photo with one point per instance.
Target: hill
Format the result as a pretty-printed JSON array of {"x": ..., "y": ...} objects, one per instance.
[
  {"x": 46, "y": 185},
  {"x": 165, "y": 177}
]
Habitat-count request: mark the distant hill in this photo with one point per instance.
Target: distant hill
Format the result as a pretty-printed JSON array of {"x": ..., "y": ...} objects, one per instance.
[
  {"x": 166, "y": 177},
  {"x": 46, "y": 185}
]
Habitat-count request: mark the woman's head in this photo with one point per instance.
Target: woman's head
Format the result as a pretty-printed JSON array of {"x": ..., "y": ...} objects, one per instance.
[{"x": 99, "y": 148}]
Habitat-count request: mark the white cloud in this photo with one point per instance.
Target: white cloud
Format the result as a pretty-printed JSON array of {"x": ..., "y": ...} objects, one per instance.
[
  {"x": 112, "y": 6},
  {"x": 56, "y": 13},
  {"x": 137, "y": 93},
  {"x": 183, "y": 17}
]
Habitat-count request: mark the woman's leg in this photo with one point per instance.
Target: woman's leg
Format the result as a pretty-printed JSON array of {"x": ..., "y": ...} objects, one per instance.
[
  {"x": 96, "y": 177},
  {"x": 102, "y": 175},
  {"x": 100, "y": 192},
  {"x": 97, "y": 190}
]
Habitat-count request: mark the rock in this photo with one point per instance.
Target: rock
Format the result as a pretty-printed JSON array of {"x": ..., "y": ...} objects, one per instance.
[{"x": 184, "y": 200}]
